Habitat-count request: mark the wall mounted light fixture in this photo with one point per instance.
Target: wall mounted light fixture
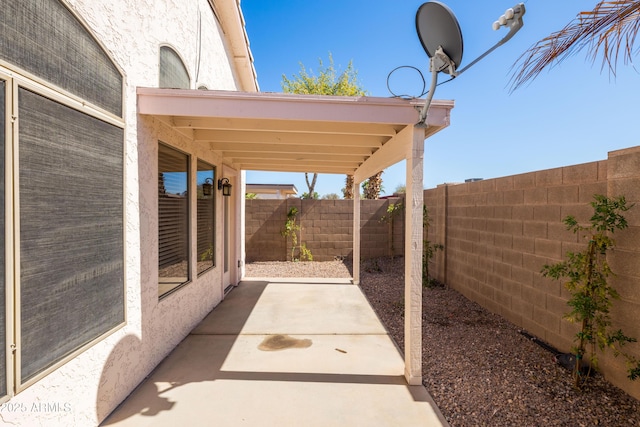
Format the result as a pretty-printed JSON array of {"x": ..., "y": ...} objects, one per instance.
[
  {"x": 225, "y": 186},
  {"x": 207, "y": 187}
]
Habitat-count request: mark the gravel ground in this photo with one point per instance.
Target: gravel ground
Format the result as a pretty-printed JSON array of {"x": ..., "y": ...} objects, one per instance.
[{"x": 479, "y": 368}]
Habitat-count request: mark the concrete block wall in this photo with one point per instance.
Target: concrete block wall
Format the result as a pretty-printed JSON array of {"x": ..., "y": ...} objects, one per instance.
[
  {"x": 379, "y": 238},
  {"x": 623, "y": 179},
  {"x": 435, "y": 233},
  {"x": 499, "y": 233},
  {"x": 326, "y": 229},
  {"x": 264, "y": 220}
]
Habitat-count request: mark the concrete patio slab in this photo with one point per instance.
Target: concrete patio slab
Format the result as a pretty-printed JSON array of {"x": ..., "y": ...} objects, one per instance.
[
  {"x": 283, "y": 354},
  {"x": 295, "y": 308}
]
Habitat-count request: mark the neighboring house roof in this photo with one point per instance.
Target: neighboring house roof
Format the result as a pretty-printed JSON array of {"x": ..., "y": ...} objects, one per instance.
[
  {"x": 285, "y": 190},
  {"x": 297, "y": 133}
]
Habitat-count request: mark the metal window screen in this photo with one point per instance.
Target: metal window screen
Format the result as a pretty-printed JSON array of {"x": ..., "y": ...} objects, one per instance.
[
  {"x": 44, "y": 38},
  {"x": 173, "y": 73},
  {"x": 206, "y": 218},
  {"x": 71, "y": 230},
  {"x": 173, "y": 219},
  {"x": 3, "y": 314}
]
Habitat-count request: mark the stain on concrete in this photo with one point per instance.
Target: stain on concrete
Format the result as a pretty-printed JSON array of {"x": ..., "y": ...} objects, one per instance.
[{"x": 283, "y": 342}]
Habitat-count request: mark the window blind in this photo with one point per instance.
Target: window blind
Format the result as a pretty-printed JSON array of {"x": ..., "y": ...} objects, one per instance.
[
  {"x": 173, "y": 218},
  {"x": 71, "y": 230}
]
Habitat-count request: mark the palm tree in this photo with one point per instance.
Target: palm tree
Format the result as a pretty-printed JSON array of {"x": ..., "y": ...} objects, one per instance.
[
  {"x": 373, "y": 186},
  {"x": 347, "y": 191},
  {"x": 608, "y": 30}
]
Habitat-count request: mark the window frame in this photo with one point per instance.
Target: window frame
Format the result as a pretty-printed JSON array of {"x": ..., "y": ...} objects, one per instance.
[
  {"x": 12, "y": 227},
  {"x": 209, "y": 167},
  {"x": 173, "y": 287}
]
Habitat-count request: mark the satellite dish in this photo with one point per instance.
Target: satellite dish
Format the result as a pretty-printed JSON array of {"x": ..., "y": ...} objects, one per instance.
[
  {"x": 441, "y": 38},
  {"x": 438, "y": 27}
]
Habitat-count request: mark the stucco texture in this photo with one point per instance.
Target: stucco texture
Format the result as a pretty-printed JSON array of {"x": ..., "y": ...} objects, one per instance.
[{"x": 87, "y": 388}]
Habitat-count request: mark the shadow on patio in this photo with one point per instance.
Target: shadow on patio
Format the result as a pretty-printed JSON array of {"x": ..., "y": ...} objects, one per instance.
[{"x": 283, "y": 352}]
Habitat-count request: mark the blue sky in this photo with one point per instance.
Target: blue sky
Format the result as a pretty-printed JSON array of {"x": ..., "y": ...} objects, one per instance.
[{"x": 574, "y": 113}]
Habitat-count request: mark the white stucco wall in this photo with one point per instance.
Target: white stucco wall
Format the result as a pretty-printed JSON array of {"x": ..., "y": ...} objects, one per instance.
[{"x": 86, "y": 389}]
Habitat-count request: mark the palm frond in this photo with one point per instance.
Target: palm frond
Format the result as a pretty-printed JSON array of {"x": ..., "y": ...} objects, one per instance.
[{"x": 611, "y": 27}]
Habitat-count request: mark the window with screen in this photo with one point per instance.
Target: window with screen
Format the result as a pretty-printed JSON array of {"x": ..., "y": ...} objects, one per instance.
[
  {"x": 71, "y": 230},
  {"x": 173, "y": 219},
  {"x": 173, "y": 73},
  {"x": 66, "y": 192},
  {"x": 45, "y": 38},
  {"x": 206, "y": 216}
]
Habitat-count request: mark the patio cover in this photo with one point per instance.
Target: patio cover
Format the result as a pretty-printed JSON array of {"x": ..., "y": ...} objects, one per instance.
[{"x": 357, "y": 136}]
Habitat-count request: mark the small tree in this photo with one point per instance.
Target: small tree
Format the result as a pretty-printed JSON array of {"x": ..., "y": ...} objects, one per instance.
[
  {"x": 327, "y": 82},
  {"x": 314, "y": 195},
  {"x": 393, "y": 210},
  {"x": 428, "y": 249},
  {"x": 591, "y": 296},
  {"x": 331, "y": 196},
  {"x": 291, "y": 230}
]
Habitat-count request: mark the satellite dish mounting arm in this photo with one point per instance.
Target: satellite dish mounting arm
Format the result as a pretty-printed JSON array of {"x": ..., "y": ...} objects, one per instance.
[
  {"x": 438, "y": 62},
  {"x": 512, "y": 18}
]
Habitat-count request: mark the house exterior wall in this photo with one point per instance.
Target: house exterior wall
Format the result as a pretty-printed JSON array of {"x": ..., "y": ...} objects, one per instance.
[
  {"x": 326, "y": 229},
  {"x": 499, "y": 233},
  {"x": 87, "y": 388}
]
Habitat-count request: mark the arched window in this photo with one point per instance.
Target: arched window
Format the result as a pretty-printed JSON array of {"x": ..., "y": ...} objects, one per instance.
[
  {"x": 173, "y": 73},
  {"x": 44, "y": 38}
]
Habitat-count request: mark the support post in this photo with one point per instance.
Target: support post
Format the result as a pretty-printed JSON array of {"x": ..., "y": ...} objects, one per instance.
[
  {"x": 356, "y": 233},
  {"x": 413, "y": 247}
]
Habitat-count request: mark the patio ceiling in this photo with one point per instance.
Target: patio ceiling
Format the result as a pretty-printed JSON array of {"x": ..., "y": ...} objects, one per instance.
[{"x": 295, "y": 133}]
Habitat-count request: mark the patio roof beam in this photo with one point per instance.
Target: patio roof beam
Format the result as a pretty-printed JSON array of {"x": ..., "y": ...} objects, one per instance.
[
  {"x": 284, "y": 126},
  {"x": 304, "y": 162},
  {"x": 283, "y": 148},
  {"x": 290, "y": 138},
  {"x": 244, "y": 155},
  {"x": 389, "y": 154},
  {"x": 276, "y": 167}
]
